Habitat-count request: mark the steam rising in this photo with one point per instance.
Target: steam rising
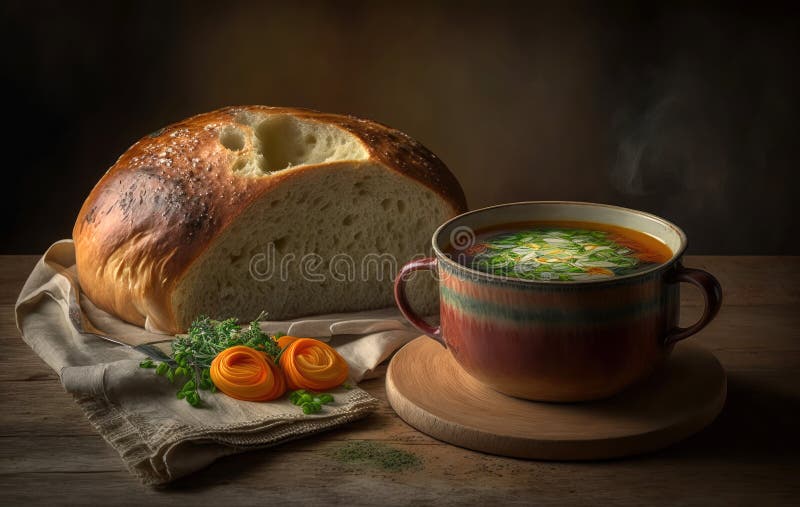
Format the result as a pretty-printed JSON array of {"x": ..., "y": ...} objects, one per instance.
[{"x": 667, "y": 145}]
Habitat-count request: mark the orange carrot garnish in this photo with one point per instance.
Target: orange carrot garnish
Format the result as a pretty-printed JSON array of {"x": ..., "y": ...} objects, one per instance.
[
  {"x": 247, "y": 374},
  {"x": 311, "y": 364},
  {"x": 285, "y": 340},
  {"x": 600, "y": 271}
]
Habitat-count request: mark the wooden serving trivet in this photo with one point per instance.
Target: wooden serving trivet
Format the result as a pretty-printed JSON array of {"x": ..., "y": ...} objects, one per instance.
[{"x": 428, "y": 389}]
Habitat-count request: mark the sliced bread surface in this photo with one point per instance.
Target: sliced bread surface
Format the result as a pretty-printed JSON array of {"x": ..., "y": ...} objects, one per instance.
[{"x": 252, "y": 209}]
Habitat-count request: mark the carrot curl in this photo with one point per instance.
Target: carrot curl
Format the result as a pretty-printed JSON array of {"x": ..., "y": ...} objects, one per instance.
[
  {"x": 311, "y": 364},
  {"x": 247, "y": 374}
]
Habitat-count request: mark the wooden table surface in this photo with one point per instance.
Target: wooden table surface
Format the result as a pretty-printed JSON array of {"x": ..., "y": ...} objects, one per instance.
[{"x": 49, "y": 454}]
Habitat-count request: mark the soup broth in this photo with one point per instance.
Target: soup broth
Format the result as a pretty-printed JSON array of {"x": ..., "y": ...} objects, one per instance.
[{"x": 561, "y": 251}]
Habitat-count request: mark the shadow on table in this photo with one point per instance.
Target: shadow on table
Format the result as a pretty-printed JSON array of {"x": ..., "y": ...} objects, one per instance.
[{"x": 760, "y": 422}]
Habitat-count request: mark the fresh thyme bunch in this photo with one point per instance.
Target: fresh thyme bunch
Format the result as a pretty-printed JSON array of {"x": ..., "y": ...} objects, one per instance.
[{"x": 193, "y": 352}]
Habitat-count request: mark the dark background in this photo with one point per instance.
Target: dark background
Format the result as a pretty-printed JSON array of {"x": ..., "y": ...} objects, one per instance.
[{"x": 688, "y": 110}]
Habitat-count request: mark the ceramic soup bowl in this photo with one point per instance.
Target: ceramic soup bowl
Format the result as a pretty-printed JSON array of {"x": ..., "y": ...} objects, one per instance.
[{"x": 557, "y": 340}]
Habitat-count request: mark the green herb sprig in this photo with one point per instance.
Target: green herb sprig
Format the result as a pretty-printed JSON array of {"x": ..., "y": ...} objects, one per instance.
[
  {"x": 193, "y": 353},
  {"x": 310, "y": 402}
]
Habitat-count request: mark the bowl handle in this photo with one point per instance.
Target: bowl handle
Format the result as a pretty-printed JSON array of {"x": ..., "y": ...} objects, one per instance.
[
  {"x": 400, "y": 297},
  {"x": 713, "y": 296}
]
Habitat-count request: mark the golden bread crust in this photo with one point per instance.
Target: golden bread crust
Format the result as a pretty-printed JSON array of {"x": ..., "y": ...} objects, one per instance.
[{"x": 167, "y": 198}]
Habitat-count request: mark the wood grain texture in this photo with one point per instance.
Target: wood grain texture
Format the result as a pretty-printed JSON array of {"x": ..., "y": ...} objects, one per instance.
[
  {"x": 428, "y": 390},
  {"x": 50, "y": 454}
]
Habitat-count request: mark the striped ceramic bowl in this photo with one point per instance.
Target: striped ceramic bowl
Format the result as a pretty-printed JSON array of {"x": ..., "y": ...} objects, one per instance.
[{"x": 555, "y": 340}]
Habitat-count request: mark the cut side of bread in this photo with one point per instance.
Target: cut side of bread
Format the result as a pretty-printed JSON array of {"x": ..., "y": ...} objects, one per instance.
[
  {"x": 329, "y": 241},
  {"x": 252, "y": 209}
]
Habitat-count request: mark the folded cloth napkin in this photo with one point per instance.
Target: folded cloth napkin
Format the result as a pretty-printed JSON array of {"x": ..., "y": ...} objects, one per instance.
[{"x": 159, "y": 437}]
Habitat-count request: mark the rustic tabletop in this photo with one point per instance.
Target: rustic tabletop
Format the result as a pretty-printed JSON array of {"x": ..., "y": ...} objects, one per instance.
[{"x": 49, "y": 454}]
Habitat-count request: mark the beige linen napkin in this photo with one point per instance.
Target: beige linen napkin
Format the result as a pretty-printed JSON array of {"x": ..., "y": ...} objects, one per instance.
[{"x": 159, "y": 437}]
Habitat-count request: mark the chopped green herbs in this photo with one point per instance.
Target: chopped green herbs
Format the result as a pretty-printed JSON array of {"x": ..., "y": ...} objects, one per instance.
[
  {"x": 554, "y": 254},
  {"x": 310, "y": 402},
  {"x": 377, "y": 455}
]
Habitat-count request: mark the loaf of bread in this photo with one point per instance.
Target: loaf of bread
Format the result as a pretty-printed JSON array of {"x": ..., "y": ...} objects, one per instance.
[{"x": 254, "y": 208}]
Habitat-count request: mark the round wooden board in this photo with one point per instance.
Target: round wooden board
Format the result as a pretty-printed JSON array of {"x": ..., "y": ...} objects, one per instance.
[{"x": 427, "y": 388}]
